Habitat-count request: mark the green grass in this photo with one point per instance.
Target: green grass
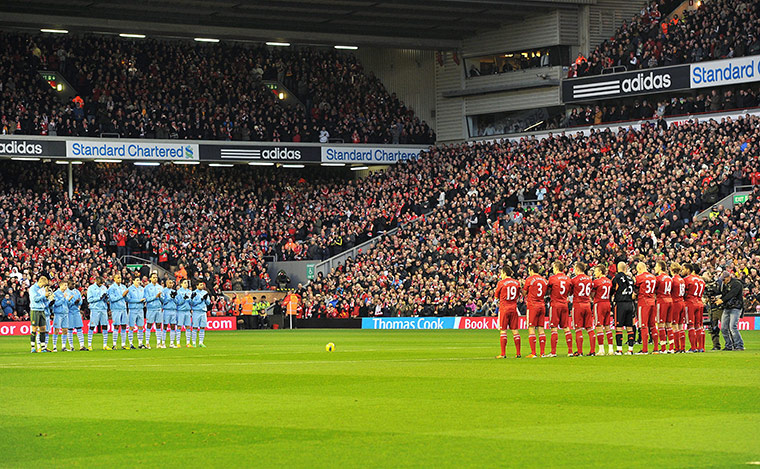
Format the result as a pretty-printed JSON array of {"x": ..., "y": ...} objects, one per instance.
[{"x": 382, "y": 399}]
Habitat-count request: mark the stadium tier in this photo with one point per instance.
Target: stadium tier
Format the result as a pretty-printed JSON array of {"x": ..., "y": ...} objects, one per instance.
[
  {"x": 658, "y": 37},
  {"x": 185, "y": 90}
]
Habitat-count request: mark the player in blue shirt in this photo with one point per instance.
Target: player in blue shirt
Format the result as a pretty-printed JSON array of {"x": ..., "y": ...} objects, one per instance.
[
  {"x": 39, "y": 297},
  {"x": 136, "y": 305},
  {"x": 183, "y": 311},
  {"x": 60, "y": 307},
  {"x": 74, "y": 298},
  {"x": 97, "y": 299},
  {"x": 199, "y": 301},
  {"x": 169, "y": 301},
  {"x": 117, "y": 299},
  {"x": 153, "y": 311}
]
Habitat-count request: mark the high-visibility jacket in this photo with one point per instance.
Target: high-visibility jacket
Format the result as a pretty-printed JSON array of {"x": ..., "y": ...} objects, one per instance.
[
  {"x": 291, "y": 303},
  {"x": 247, "y": 305}
]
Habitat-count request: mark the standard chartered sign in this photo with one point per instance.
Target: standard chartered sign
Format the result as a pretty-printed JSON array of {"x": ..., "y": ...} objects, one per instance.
[
  {"x": 376, "y": 155},
  {"x": 725, "y": 72},
  {"x": 131, "y": 150}
]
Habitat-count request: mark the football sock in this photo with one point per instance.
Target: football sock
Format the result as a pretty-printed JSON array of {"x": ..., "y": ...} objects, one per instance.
[
  {"x": 645, "y": 339},
  {"x": 140, "y": 335},
  {"x": 592, "y": 340},
  {"x": 532, "y": 342},
  {"x": 619, "y": 340},
  {"x": 503, "y": 343},
  {"x": 579, "y": 341},
  {"x": 115, "y": 335},
  {"x": 692, "y": 338},
  {"x": 130, "y": 334},
  {"x": 188, "y": 334},
  {"x": 516, "y": 339},
  {"x": 89, "y": 336},
  {"x": 631, "y": 339},
  {"x": 701, "y": 338},
  {"x": 542, "y": 343},
  {"x": 71, "y": 338},
  {"x": 44, "y": 337},
  {"x": 555, "y": 339},
  {"x": 80, "y": 337},
  {"x": 569, "y": 340},
  {"x": 33, "y": 339},
  {"x": 171, "y": 336},
  {"x": 195, "y": 335},
  {"x": 669, "y": 336},
  {"x": 104, "y": 331},
  {"x": 147, "y": 336},
  {"x": 610, "y": 336},
  {"x": 600, "y": 341},
  {"x": 37, "y": 339}
]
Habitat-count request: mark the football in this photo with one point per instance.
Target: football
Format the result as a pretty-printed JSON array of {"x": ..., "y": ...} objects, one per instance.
[{"x": 330, "y": 347}]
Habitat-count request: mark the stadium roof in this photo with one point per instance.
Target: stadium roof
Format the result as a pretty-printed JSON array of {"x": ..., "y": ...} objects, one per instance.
[{"x": 438, "y": 24}]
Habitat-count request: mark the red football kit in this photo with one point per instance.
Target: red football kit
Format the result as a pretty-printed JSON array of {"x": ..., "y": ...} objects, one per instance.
[
  {"x": 602, "y": 309},
  {"x": 582, "y": 302},
  {"x": 677, "y": 292},
  {"x": 664, "y": 300},
  {"x": 646, "y": 284},
  {"x": 507, "y": 292},
  {"x": 695, "y": 287},
  {"x": 535, "y": 291},
  {"x": 560, "y": 289}
]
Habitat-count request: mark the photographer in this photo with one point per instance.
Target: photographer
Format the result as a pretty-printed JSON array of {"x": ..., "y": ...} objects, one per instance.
[
  {"x": 712, "y": 292},
  {"x": 733, "y": 307}
]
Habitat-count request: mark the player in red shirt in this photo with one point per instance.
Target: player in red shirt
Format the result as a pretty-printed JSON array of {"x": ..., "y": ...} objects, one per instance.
[
  {"x": 694, "y": 307},
  {"x": 507, "y": 292},
  {"x": 677, "y": 293},
  {"x": 582, "y": 317},
  {"x": 646, "y": 284},
  {"x": 601, "y": 288},
  {"x": 664, "y": 306},
  {"x": 535, "y": 292},
  {"x": 559, "y": 285}
]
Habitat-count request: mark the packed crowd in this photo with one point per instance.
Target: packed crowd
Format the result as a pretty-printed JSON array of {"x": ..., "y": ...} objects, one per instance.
[
  {"x": 197, "y": 222},
  {"x": 717, "y": 29},
  {"x": 175, "y": 89},
  {"x": 599, "y": 199}
]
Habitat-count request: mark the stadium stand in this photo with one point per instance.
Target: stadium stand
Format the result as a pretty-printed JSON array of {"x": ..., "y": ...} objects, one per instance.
[
  {"x": 184, "y": 90},
  {"x": 599, "y": 198},
  {"x": 718, "y": 29}
]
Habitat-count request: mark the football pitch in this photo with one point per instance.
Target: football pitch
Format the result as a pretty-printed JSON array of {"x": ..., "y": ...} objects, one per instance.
[{"x": 381, "y": 399}]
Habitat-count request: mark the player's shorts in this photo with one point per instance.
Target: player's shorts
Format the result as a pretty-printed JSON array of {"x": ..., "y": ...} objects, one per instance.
[
  {"x": 184, "y": 319},
  {"x": 75, "y": 321},
  {"x": 99, "y": 318},
  {"x": 647, "y": 315},
  {"x": 170, "y": 317},
  {"x": 677, "y": 313},
  {"x": 603, "y": 314},
  {"x": 119, "y": 318},
  {"x": 664, "y": 311},
  {"x": 536, "y": 314},
  {"x": 508, "y": 318},
  {"x": 154, "y": 316},
  {"x": 694, "y": 313},
  {"x": 624, "y": 313},
  {"x": 38, "y": 319},
  {"x": 136, "y": 319},
  {"x": 559, "y": 315},
  {"x": 199, "y": 320},
  {"x": 582, "y": 316},
  {"x": 61, "y": 321}
]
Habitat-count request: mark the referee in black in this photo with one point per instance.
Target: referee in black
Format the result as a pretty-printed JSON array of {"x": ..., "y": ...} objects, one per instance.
[{"x": 622, "y": 298}]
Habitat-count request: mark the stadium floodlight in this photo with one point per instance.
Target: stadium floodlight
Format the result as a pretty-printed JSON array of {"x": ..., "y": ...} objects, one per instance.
[
  {"x": 25, "y": 158},
  {"x": 278, "y": 44},
  {"x": 359, "y": 168},
  {"x": 106, "y": 160},
  {"x": 260, "y": 163},
  {"x": 221, "y": 165},
  {"x": 54, "y": 31},
  {"x": 147, "y": 163},
  {"x": 347, "y": 47},
  {"x": 67, "y": 162},
  {"x": 205, "y": 39},
  {"x": 333, "y": 164},
  {"x": 133, "y": 36},
  {"x": 186, "y": 162},
  {"x": 293, "y": 166}
]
